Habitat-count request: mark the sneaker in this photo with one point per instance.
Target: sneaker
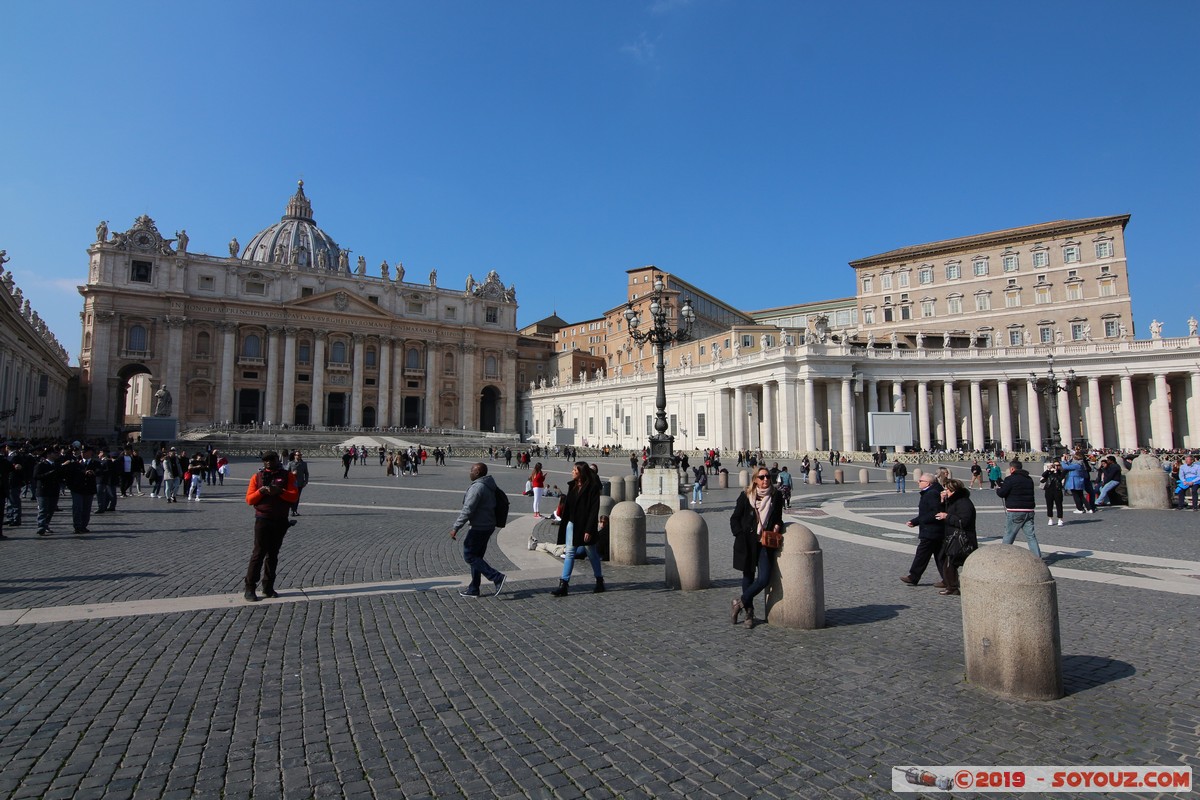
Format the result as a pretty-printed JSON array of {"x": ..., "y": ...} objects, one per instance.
[
  {"x": 1060, "y": 522},
  {"x": 1091, "y": 511},
  {"x": 1077, "y": 511},
  {"x": 500, "y": 585},
  {"x": 468, "y": 593}
]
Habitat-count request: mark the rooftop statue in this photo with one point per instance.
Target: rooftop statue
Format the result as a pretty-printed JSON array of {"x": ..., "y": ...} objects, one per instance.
[
  {"x": 1156, "y": 329},
  {"x": 182, "y": 240},
  {"x": 1193, "y": 325},
  {"x": 102, "y": 231},
  {"x": 399, "y": 270},
  {"x": 362, "y": 266},
  {"x": 433, "y": 278},
  {"x": 234, "y": 247}
]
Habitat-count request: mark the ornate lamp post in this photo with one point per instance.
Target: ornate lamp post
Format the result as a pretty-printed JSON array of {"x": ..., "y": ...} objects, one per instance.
[
  {"x": 1049, "y": 388},
  {"x": 660, "y": 334}
]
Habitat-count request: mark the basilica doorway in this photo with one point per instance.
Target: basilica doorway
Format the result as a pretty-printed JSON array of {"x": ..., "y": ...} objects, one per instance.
[
  {"x": 489, "y": 409},
  {"x": 412, "y": 412},
  {"x": 248, "y": 409},
  {"x": 335, "y": 412}
]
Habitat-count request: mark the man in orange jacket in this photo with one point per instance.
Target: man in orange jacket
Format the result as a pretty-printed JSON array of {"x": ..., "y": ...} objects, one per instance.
[{"x": 272, "y": 492}]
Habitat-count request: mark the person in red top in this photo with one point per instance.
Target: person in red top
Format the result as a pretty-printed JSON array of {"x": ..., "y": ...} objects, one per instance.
[
  {"x": 537, "y": 482},
  {"x": 272, "y": 492}
]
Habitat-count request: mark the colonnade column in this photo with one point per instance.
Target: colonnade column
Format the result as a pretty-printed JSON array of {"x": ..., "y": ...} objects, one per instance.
[
  {"x": 871, "y": 390},
  {"x": 723, "y": 432},
  {"x": 467, "y": 401},
  {"x": 287, "y": 414},
  {"x": 1035, "y": 416},
  {"x": 768, "y": 393},
  {"x": 923, "y": 415},
  {"x": 847, "y": 385},
  {"x": 429, "y": 381},
  {"x": 810, "y": 416},
  {"x": 356, "y": 380},
  {"x": 1194, "y": 412},
  {"x": 383, "y": 414},
  {"x": 318, "y": 378},
  {"x": 1004, "y": 405},
  {"x": 1126, "y": 418},
  {"x": 977, "y": 435},
  {"x": 1095, "y": 419},
  {"x": 1066, "y": 432},
  {"x": 897, "y": 395},
  {"x": 1022, "y": 414},
  {"x": 100, "y": 411},
  {"x": 788, "y": 402},
  {"x": 739, "y": 418},
  {"x": 1160, "y": 418},
  {"x": 271, "y": 403},
  {"x": 228, "y": 355},
  {"x": 949, "y": 415}
]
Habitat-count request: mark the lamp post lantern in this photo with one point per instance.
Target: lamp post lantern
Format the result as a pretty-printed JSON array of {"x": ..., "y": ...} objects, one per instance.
[
  {"x": 660, "y": 334},
  {"x": 1049, "y": 388}
]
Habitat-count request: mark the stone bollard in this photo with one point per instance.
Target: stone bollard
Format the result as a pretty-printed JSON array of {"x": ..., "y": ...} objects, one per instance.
[
  {"x": 723, "y": 479},
  {"x": 839, "y": 476},
  {"x": 743, "y": 477},
  {"x": 1010, "y": 624},
  {"x": 631, "y": 487},
  {"x": 687, "y": 552},
  {"x": 627, "y": 534},
  {"x": 618, "y": 489},
  {"x": 864, "y": 476},
  {"x": 606, "y": 505},
  {"x": 606, "y": 488},
  {"x": 916, "y": 475},
  {"x": 1147, "y": 483},
  {"x": 796, "y": 594}
]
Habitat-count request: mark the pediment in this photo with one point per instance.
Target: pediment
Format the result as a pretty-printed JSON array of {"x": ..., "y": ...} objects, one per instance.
[{"x": 337, "y": 301}]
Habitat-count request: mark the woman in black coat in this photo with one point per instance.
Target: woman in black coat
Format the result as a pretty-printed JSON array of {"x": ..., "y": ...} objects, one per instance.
[
  {"x": 758, "y": 508},
  {"x": 959, "y": 515},
  {"x": 580, "y": 525}
]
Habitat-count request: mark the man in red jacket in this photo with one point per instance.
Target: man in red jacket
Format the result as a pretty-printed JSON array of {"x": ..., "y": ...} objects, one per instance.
[{"x": 272, "y": 492}]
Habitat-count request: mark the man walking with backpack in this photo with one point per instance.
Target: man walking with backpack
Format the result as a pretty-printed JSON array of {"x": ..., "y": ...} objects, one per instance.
[{"x": 480, "y": 510}]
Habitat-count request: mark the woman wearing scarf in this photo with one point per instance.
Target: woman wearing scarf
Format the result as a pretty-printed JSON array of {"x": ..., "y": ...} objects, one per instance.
[
  {"x": 958, "y": 516},
  {"x": 758, "y": 508},
  {"x": 580, "y": 526}
]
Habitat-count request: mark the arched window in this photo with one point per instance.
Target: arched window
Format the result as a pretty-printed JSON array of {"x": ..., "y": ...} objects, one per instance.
[
  {"x": 203, "y": 343},
  {"x": 252, "y": 346},
  {"x": 412, "y": 359},
  {"x": 337, "y": 353},
  {"x": 369, "y": 357},
  {"x": 137, "y": 338},
  {"x": 489, "y": 367},
  {"x": 448, "y": 363}
]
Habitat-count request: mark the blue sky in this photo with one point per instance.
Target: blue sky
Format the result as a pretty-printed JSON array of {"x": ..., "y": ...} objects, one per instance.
[{"x": 753, "y": 148}]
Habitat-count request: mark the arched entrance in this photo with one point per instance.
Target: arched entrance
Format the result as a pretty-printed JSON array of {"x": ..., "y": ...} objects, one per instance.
[
  {"x": 489, "y": 409},
  {"x": 302, "y": 414},
  {"x": 368, "y": 417},
  {"x": 136, "y": 398}
]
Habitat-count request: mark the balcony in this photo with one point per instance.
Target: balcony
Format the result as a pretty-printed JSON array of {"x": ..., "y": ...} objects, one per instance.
[
  {"x": 137, "y": 355},
  {"x": 250, "y": 361}
]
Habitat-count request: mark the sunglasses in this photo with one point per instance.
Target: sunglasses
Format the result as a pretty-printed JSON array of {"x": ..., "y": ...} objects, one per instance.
[{"x": 763, "y": 477}]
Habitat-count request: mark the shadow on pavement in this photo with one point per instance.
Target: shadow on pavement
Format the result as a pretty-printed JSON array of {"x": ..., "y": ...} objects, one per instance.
[
  {"x": 1081, "y": 673},
  {"x": 861, "y": 615}
]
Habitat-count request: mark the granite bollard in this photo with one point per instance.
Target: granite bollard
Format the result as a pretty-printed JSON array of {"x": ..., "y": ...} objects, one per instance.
[
  {"x": 839, "y": 476},
  {"x": 1010, "y": 624},
  {"x": 743, "y": 478},
  {"x": 631, "y": 482},
  {"x": 864, "y": 476},
  {"x": 687, "y": 552},
  {"x": 606, "y": 505},
  {"x": 796, "y": 594},
  {"x": 723, "y": 479},
  {"x": 618, "y": 489},
  {"x": 1147, "y": 484},
  {"x": 627, "y": 534}
]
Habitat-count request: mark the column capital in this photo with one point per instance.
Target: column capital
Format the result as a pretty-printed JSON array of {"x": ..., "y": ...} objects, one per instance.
[
  {"x": 320, "y": 334},
  {"x": 358, "y": 337},
  {"x": 274, "y": 330},
  {"x": 387, "y": 341},
  {"x": 227, "y": 326},
  {"x": 173, "y": 321},
  {"x": 290, "y": 331}
]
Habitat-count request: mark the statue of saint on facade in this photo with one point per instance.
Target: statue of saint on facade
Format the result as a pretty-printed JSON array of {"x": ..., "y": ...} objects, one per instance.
[
  {"x": 383, "y": 270},
  {"x": 894, "y": 340},
  {"x": 4, "y": 259},
  {"x": 362, "y": 266},
  {"x": 1193, "y": 326},
  {"x": 470, "y": 283},
  {"x": 322, "y": 260},
  {"x": 946, "y": 340},
  {"x": 181, "y": 239},
  {"x": 162, "y": 402},
  {"x": 102, "y": 231},
  {"x": 433, "y": 278},
  {"x": 920, "y": 340},
  {"x": 558, "y": 416},
  {"x": 399, "y": 271},
  {"x": 343, "y": 260},
  {"x": 234, "y": 247},
  {"x": 1156, "y": 329}
]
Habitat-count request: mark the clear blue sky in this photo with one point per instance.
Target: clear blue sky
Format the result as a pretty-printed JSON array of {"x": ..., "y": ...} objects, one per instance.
[{"x": 753, "y": 148}]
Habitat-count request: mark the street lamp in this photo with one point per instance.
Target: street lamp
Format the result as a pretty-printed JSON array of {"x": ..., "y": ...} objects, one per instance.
[
  {"x": 1049, "y": 388},
  {"x": 660, "y": 334}
]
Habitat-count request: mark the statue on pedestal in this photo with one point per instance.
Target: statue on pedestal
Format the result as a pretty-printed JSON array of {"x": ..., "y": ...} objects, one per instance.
[
  {"x": 181, "y": 238},
  {"x": 162, "y": 402},
  {"x": 102, "y": 231},
  {"x": 234, "y": 247},
  {"x": 362, "y": 266},
  {"x": 1156, "y": 329},
  {"x": 399, "y": 271},
  {"x": 1193, "y": 325},
  {"x": 433, "y": 278}
]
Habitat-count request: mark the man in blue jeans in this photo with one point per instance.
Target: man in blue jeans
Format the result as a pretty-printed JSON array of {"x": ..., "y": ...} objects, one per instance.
[
  {"x": 479, "y": 509},
  {"x": 900, "y": 473},
  {"x": 1019, "y": 506}
]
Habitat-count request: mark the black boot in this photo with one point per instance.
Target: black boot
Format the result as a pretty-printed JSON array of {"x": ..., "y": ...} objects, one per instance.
[
  {"x": 561, "y": 591},
  {"x": 749, "y": 623},
  {"x": 599, "y": 586}
]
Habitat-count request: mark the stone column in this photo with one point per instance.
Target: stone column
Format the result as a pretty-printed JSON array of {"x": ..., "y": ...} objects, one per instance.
[
  {"x": 174, "y": 363},
  {"x": 1095, "y": 418},
  {"x": 739, "y": 418},
  {"x": 271, "y": 407},
  {"x": 1022, "y": 415},
  {"x": 101, "y": 415},
  {"x": 923, "y": 416},
  {"x": 318, "y": 378},
  {"x": 1066, "y": 430},
  {"x": 1035, "y": 416},
  {"x": 1005, "y": 408},
  {"x": 398, "y": 383},
  {"x": 977, "y": 435},
  {"x": 356, "y": 379},
  {"x": 871, "y": 390},
  {"x": 228, "y": 363},
  {"x": 768, "y": 394},
  {"x": 468, "y": 399},
  {"x": 949, "y": 415},
  {"x": 787, "y": 414},
  {"x": 724, "y": 434},
  {"x": 962, "y": 426},
  {"x": 509, "y": 422},
  {"x": 1194, "y": 412},
  {"x": 897, "y": 395},
  {"x": 383, "y": 415},
  {"x": 1160, "y": 418},
  {"x": 287, "y": 414},
  {"x": 1126, "y": 417},
  {"x": 847, "y": 386},
  {"x": 810, "y": 416},
  {"x": 430, "y": 353}
]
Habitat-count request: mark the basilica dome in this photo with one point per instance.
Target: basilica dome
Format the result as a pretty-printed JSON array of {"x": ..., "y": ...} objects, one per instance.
[{"x": 295, "y": 239}]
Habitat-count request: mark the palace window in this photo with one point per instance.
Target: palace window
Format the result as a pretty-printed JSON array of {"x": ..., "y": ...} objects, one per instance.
[
  {"x": 337, "y": 353},
  {"x": 980, "y": 267},
  {"x": 885, "y": 281},
  {"x": 1012, "y": 298},
  {"x": 954, "y": 304},
  {"x": 1104, "y": 249},
  {"x": 927, "y": 308},
  {"x": 1046, "y": 334},
  {"x": 1041, "y": 295},
  {"x": 925, "y": 275},
  {"x": 252, "y": 346},
  {"x": 203, "y": 344},
  {"x": 490, "y": 369},
  {"x": 868, "y": 285},
  {"x": 953, "y": 271},
  {"x": 1075, "y": 291},
  {"x": 1071, "y": 254},
  {"x": 1014, "y": 337},
  {"x": 1077, "y": 331},
  {"x": 983, "y": 301},
  {"x": 869, "y": 316},
  {"x": 1041, "y": 258},
  {"x": 304, "y": 353},
  {"x": 369, "y": 357},
  {"x": 747, "y": 340},
  {"x": 1011, "y": 263},
  {"x": 1108, "y": 288},
  {"x": 448, "y": 363},
  {"x": 1112, "y": 328},
  {"x": 902, "y": 278},
  {"x": 137, "y": 339},
  {"x": 206, "y": 283},
  {"x": 414, "y": 307},
  {"x": 412, "y": 359},
  {"x": 492, "y": 315},
  {"x": 701, "y": 428},
  {"x": 256, "y": 287},
  {"x": 451, "y": 312}
]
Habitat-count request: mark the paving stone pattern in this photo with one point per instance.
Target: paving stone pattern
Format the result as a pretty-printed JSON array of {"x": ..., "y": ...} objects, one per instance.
[{"x": 638, "y": 692}]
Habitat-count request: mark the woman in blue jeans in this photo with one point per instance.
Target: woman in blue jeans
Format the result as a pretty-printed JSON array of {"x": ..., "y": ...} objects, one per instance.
[
  {"x": 758, "y": 508},
  {"x": 580, "y": 526}
]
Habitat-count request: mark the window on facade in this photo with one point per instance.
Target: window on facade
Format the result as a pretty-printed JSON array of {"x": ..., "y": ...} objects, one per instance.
[
  {"x": 306, "y": 291},
  {"x": 1107, "y": 288},
  {"x": 885, "y": 281},
  {"x": 954, "y": 305},
  {"x": 304, "y": 353},
  {"x": 953, "y": 272},
  {"x": 1012, "y": 300},
  {"x": 412, "y": 359},
  {"x": 701, "y": 352},
  {"x": 905, "y": 312},
  {"x": 1046, "y": 334},
  {"x": 369, "y": 357},
  {"x": 927, "y": 308},
  {"x": 1041, "y": 295},
  {"x": 206, "y": 283},
  {"x": 204, "y": 344},
  {"x": 489, "y": 367},
  {"x": 1071, "y": 254},
  {"x": 1077, "y": 331},
  {"x": 701, "y": 425},
  {"x": 374, "y": 298},
  {"x": 1010, "y": 263},
  {"x": 925, "y": 275},
  {"x": 448, "y": 363},
  {"x": 140, "y": 271},
  {"x": 1075, "y": 291},
  {"x": 1111, "y": 328},
  {"x": 1041, "y": 258},
  {"x": 137, "y": 338},
  {"x": 983, "y": 302},
  {"x": 492, "y": 315},
  {"x": 887, "y": 315},
  {"x": 869, "y": 316},
  {"x": 252, "y": 346},
  {"x": 256, "y": 287},
  {"x": 980, "y": 267},
  {"x": 747, "y": 340},
  {"x": 451, "y": 312},
  {"x": 414, "y": 307},
  {"x": 902, "y": 279},
  {"x": 1014, "y": 337},
  {"x": 337, "y": 353},
  {"x": 868, "y": 285},
  {"x": 1104, "y": 249}
]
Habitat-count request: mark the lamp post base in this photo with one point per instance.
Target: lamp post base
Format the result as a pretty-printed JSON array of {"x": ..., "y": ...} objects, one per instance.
[
  {"x": 660, "y": 491},
  {"x": 662, "y": 447}
]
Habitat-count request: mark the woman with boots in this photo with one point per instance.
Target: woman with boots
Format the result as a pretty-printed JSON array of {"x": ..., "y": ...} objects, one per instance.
[
  {"x": 958, "y": 516},
  {"x": 758, "y": 509},
  {"x": 580, "y": 525}
]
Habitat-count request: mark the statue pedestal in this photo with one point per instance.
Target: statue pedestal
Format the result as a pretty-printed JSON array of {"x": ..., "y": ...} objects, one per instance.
[
  {"x": 160, "y": 429},
  {"x": 660, "y": 487}
]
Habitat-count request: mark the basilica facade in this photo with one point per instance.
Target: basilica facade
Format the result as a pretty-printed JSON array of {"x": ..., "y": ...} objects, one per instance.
[{"x": 286, "y": 331}]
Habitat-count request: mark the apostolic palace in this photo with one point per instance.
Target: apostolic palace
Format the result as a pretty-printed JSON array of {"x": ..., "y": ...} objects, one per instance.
[{"x": 287, "y": 331}]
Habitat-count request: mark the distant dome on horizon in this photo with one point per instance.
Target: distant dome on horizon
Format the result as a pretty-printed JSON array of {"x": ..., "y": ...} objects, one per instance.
[{"x": 295, "y": 239}]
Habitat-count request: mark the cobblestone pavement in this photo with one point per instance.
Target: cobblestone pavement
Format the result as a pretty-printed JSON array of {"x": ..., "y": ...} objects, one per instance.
[{"x": 638, "y": 692}]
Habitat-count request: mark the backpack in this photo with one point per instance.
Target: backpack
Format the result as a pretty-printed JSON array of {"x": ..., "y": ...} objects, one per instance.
[{"x": 501, "y": 508}]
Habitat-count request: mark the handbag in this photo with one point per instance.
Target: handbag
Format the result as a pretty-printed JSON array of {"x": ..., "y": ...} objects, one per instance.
[
  {"x": 958, "y": 545},
  {"x": 771, "y": 538}
]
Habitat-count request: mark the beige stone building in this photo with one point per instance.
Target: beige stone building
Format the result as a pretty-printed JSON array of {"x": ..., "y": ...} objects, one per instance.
[
  {"x": 1055, "y": 282},
  {"x": 286, "y": 331}
]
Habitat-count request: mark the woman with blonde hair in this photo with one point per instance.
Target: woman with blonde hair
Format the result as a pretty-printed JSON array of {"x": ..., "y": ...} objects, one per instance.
[{"x": 756, "y": 522}]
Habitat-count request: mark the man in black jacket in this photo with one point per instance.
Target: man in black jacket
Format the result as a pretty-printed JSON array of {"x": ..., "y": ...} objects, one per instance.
[
  {"x": 1020, "y": 505},
  {"x": 81, "y": 480},
  {"x": 930, "y": 532},
  {"x": 47, "y": 476}
]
